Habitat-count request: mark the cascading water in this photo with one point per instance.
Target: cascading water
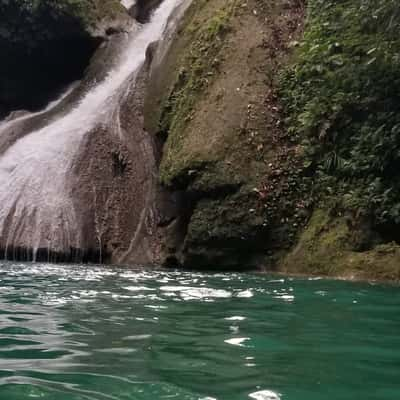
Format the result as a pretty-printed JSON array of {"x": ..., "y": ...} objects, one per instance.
[
  {"x": 128, "y": 3},
  {"x": 67, "y": 185}
]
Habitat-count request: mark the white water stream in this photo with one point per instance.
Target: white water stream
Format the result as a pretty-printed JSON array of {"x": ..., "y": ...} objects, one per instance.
[
  {"x": 128, "y": 3},
  {"x": 36, "y": 210}
]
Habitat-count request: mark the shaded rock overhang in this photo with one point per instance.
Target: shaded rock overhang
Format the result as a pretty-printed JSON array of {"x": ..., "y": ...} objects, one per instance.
[{"x": 46, "y": 45}]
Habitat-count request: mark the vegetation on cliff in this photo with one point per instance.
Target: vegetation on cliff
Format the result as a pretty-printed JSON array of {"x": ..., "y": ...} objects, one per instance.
[
  {"x": 198, "y": 66},
  {"x": 292, "y": 159},
  {"x": 341, "y": 98}
]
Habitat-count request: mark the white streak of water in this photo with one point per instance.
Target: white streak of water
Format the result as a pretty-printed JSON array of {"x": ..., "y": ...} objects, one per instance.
[
  {"x": 128, "y": 3},
  {"x": 11, "y": 120}
]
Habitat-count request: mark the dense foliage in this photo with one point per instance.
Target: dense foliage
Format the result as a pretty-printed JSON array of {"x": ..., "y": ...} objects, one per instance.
[{"x": 342, "y": 98}]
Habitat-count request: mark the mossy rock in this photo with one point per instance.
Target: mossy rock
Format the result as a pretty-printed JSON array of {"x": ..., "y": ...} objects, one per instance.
[
  {"x": 328, "y": 247},
  {"x": 206, "y": 103}
]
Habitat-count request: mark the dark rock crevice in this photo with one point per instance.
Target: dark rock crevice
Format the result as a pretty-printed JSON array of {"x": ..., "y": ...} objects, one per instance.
[
  {"x": 30, "y": 79},
  {"x": 47, "y": 45},
  {"x": 142, "y": 9}
]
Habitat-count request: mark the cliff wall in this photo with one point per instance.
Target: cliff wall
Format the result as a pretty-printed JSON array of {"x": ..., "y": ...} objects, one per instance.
[{"x": 279, "y": 124}]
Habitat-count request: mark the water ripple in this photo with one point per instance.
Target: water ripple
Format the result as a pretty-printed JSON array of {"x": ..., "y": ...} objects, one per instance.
[{"x": 90, "y": 332}]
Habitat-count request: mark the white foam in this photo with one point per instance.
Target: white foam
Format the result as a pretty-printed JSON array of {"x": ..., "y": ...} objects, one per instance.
[
  {"x": 195, "y": 293},
  {"x": 235, "y": 318},
  {"x": 138, "y": 288},
  {"x": 137, "y": 337},
  {"x": 237, "y": 341},
  {"x": 245, "y": 294},
  {"x": 285, "y": 297},
  {"x": 264, "y": 395},
  {"x": 128, "y": 3}
]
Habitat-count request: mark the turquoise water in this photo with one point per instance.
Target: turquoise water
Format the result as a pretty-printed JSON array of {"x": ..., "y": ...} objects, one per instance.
[{"x": 70, "y": 333}]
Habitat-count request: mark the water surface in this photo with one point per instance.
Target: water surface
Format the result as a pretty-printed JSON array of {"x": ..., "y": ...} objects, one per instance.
[{"x": 86, "y": 332}]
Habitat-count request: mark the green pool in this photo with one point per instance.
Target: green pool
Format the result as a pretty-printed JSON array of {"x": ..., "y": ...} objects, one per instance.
[{"x": 97, "y": 333}]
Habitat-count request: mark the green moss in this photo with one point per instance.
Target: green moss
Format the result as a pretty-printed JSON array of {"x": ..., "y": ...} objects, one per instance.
[
  {"x": 196, "y": 70},
  {"x": 221, "y": 145},
  {"x": 327, "y": 247}
]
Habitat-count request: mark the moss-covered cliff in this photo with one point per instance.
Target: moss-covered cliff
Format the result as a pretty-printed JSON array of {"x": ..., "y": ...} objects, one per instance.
[
  {"x": 45, "y": 44},
  {"x": 284, "y": 146},
  {"x": 341, "y": 98},
  {"x": 213, "y": 104}
]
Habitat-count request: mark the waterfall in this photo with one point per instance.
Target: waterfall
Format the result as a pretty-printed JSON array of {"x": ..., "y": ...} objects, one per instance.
[
  {"x": 48, "y": 201},
  {"x": 128, "y": 3}
]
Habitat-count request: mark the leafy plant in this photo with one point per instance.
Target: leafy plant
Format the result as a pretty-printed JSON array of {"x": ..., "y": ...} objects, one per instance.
[{"x": 342, "y": 98}]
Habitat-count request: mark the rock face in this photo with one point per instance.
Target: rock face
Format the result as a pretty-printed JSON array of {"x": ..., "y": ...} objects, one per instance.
[
  {"x": 45, "y": 44},
  {"x": 283, "y": 150},
  {"x": 211, "y": 102}
]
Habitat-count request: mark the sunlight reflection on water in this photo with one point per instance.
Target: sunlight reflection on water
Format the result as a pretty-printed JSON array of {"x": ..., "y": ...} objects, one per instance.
[{"x": 91, "y": 332}]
